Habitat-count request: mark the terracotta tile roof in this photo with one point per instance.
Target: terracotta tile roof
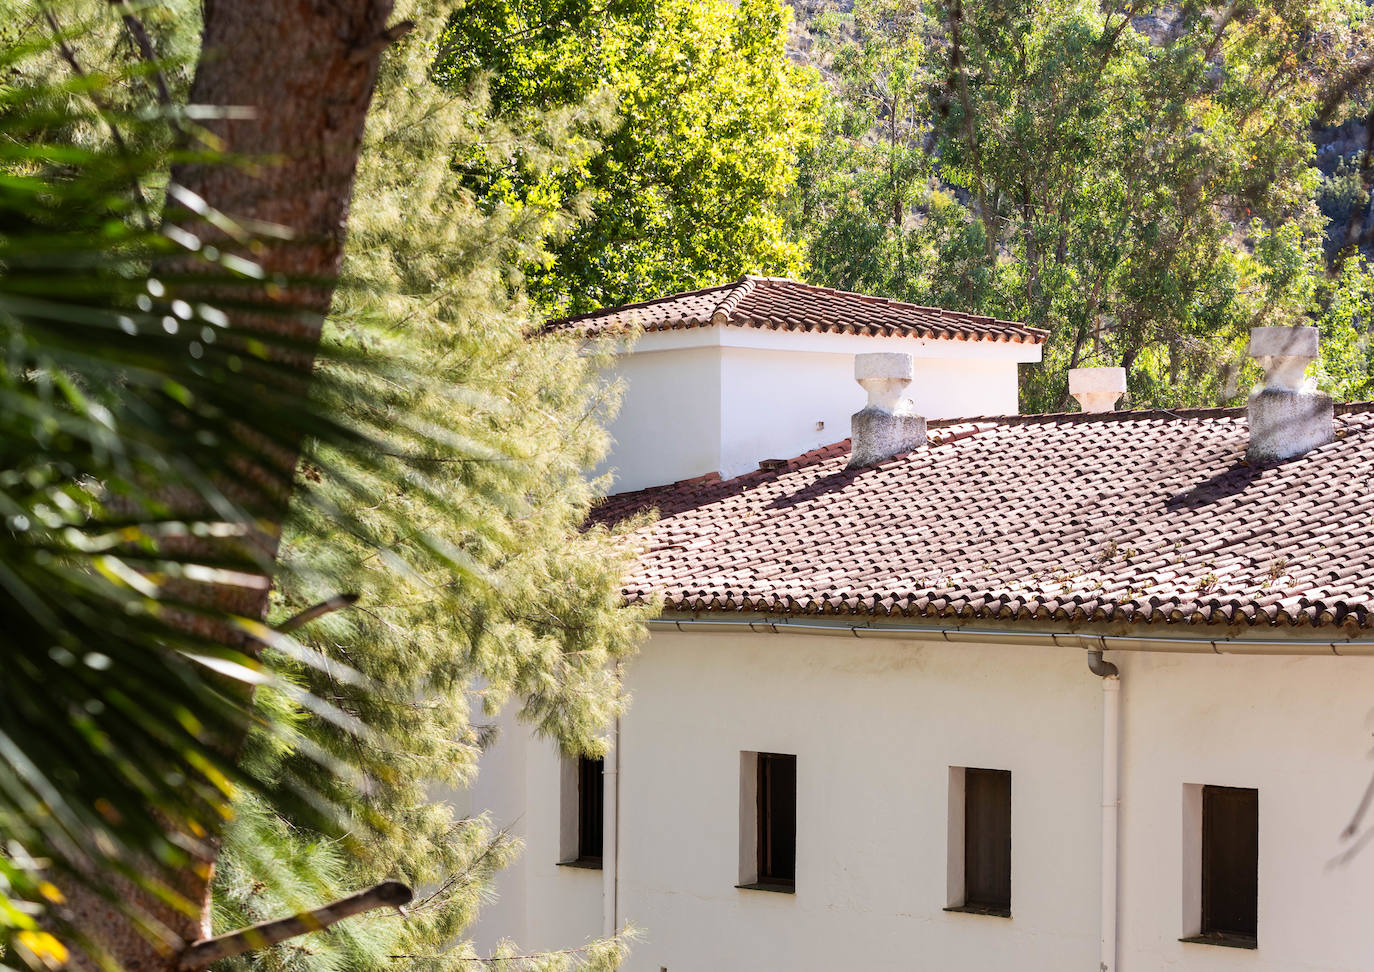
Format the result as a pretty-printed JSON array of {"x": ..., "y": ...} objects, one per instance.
[
  {"x": 779, "y": 304},
  {"x": 1130, "y": 516}
]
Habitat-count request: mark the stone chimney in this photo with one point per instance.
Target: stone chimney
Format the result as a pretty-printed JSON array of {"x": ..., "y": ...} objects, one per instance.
[
  {"x": 1288, "y": 416},
  {"x": 1097, "y": 389},
  {"x": 888, "y": 425}
]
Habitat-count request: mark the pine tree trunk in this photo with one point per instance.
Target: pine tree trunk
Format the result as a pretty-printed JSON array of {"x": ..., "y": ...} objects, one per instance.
[{"x": 304, "y": 71}]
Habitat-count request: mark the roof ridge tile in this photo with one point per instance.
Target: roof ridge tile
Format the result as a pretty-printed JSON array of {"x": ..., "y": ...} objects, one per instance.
[{"x": 741, "y": 289}]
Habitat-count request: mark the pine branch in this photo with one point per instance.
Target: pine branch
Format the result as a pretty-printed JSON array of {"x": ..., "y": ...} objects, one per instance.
[
  {"x": 500, "y": 959},
  {"x": 209, "y": 950},
  {"x": 69, "y": 55},
  {"x": 144, "y": 43},
  {"x": 317, "y": 610}
]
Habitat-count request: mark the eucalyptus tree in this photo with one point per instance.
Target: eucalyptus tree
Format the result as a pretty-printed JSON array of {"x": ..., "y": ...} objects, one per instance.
[{"x": 1138, "y": 182}]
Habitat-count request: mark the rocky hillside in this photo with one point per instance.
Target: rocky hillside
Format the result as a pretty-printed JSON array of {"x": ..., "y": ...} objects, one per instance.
[{"x": 804, "y": 12}]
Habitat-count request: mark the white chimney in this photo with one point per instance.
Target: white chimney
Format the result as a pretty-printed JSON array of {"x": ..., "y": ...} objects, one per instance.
[
  {"x": 1288, "y": 416},
  {"x": 1097, "y": 389},
  {"x": 888, "y": 425}
]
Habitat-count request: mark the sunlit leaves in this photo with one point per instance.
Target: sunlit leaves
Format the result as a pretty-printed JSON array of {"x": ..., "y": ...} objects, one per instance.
[
  {"x": 1140, "y": 184},
  {"x": 685, "y": 187}
]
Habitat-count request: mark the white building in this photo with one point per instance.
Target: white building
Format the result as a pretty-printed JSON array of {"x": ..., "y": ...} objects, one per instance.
[
  {"x": 1034, "y": 692},
  {"x": 763, "y": 368}
]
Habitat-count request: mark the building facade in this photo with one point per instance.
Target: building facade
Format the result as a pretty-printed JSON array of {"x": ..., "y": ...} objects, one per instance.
[
  {"x": 877, "y": 726},
  {"x": 1033, "y": 692}
]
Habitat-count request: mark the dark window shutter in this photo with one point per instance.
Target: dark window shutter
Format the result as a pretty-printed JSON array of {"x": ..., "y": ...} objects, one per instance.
[
  {"x": 987, "y": 839},
  {"x": 777, "y": 819},
  {"x": 590, "y": 801},
  {"x": 1230, "y": 861}
]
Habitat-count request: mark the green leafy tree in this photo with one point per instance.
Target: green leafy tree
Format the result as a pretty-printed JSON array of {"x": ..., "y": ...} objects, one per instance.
[
  {"x": 1346, "y": 368},
  {"x": 1140, "y": 185},
  {"x": 686, "y": 188},
  {"x": 869, "y": 201}
]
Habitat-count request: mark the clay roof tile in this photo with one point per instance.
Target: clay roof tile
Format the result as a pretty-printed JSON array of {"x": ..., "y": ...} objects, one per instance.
[
  {"x": 1143, "y": 516},
  {"x": 778, "y": 303}
]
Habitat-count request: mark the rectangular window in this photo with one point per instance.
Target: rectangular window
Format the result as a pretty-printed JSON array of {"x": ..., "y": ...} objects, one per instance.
[
  {"x": 767, "y": 822},
  {"x": 582, "y": 804},
  {"x": 777, "y": 840},
  {"x": 980, "y": 841},
  {"x": 590, "y": 800},
  {"x": 1230, "y": 864}
]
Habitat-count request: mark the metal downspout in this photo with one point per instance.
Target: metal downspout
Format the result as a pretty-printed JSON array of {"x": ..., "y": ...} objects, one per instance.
[
  {"x": 1111, "y": 804},
  {"x": 610, "y": 851}
]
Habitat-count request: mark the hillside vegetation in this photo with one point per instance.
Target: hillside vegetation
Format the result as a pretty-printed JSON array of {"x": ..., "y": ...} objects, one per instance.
[{"x": 1146, "y": 183}]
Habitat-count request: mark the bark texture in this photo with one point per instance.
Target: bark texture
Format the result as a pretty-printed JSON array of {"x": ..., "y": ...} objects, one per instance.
[{"x": 297, "y": 77}]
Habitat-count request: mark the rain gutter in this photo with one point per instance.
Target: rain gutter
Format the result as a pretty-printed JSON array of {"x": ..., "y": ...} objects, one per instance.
[{"x": 1088, "y": 641}]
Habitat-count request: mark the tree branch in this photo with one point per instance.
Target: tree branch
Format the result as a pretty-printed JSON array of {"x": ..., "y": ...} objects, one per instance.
[
  {"x": 317, "y": 610},
  {"x": 1222, "y": 23},
  {"x": 382, "y": 41},
  {"x": 199, "y": 954},
  {"x": 68, "y": 55},
  {"x": 1337, "y": 92},
  {"x": 144, "y": 43}
]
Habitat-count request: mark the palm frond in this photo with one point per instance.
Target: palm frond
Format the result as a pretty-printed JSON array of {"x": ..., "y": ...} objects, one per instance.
[{"x": 147, "y": 450}]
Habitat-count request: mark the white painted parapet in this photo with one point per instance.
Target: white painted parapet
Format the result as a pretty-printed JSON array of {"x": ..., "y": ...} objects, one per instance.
[{"x": 722, "y": 398}]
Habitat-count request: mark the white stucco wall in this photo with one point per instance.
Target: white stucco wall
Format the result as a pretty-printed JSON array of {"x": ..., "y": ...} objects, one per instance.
[
  {"x": 719, "y": 399},
  {"x": 1296, "y": 729},
  {"x": 875, "y": 729},
  {"x": 500, "y": 791},
  {"x": 875, "y": 726},
  {"x": 668, "y": 426}
]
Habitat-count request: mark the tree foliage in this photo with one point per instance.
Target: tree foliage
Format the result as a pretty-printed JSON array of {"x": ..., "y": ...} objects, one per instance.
[
  {"x": 442, "y": 484},
  {"x": 1139, "y": 183},
  {"x": 686, "y": 187},
  {"x": 533, "y": 618}
]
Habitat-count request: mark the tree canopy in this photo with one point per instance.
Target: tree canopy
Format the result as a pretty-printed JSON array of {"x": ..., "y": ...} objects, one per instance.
[
  {"x": 686, "y": 187},
  {"x": 1140, "y": 184}
]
